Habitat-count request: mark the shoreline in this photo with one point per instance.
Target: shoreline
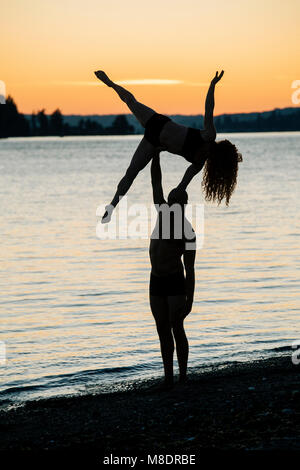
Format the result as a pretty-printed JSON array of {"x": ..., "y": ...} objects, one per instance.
[
  {"x": 13, "y": 397},
  {"x": 243, "y": 408}
]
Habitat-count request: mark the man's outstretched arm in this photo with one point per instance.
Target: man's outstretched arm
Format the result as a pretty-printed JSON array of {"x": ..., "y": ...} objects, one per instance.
[{"x": 156, "y": 180}]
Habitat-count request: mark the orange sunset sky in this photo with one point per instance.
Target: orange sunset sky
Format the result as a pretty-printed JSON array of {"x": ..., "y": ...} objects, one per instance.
[{"x": 163, "y": 51}]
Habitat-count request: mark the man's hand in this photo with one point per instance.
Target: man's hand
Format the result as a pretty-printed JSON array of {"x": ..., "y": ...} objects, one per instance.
[
  {"x": 217, "y": 77},
  {"x": 156, "y": 157},
  {"x": 156, "y": 154}
]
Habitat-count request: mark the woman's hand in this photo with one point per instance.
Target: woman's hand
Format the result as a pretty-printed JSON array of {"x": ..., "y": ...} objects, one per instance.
[{"x": 217, "y": 77}]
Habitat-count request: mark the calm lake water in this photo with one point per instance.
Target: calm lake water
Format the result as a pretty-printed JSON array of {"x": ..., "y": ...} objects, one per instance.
[{"x": 75, "y": 315}]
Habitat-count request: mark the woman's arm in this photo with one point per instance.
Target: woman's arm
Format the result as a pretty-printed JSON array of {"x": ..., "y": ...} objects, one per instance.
[
  {"x": 209, "y": 128},
  {"x": 188, "y": 176},
  {"x": 156, "y": 180}
]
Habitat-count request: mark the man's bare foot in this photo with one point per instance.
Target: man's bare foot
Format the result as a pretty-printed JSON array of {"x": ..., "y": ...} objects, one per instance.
[
  {"x": 103, "y": 77},
  {"x": 108, "y": 213}
]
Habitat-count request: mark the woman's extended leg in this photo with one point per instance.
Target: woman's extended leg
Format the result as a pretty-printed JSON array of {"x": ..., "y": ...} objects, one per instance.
[
  {"x": 143, "y": 153},
  {"x": 141, "y": 157},
  {"x": 140, "y": 111}
]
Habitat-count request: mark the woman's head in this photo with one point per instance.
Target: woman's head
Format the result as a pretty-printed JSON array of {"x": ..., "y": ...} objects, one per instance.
[{"x": 220, "y": 171}]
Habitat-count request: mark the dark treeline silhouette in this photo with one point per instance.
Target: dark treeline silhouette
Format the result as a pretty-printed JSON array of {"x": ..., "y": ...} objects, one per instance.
[
  {"x": 15, "y": 124},
  {"x": 274, "y": 121},
  {"x": 12, "y": 123}
]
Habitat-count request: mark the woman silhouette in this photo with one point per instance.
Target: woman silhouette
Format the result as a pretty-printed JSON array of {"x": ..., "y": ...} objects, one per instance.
[{"x": 197, "y": 146}]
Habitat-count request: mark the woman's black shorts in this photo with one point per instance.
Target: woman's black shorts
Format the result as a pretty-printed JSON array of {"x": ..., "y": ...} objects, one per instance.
[
  {"x": 154, "y": 127},
  {"x": 193, "y": 139}
]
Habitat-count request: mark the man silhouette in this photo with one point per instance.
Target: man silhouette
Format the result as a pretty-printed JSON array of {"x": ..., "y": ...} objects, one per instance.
[{"x": 171, "y": 291}]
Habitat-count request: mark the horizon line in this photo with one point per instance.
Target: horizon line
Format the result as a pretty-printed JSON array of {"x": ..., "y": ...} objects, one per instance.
[{"x": 178, "y": 114}]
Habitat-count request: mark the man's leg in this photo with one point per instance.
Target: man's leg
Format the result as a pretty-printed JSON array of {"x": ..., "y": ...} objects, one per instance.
[
  {"x": 176, "y": 304},
  {"x": 140, "y": 111},
  {"x": 159, "y": 307}
]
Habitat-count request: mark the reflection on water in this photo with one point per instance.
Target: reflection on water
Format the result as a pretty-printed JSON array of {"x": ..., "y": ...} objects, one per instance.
[{"x": 74, "y": 309}]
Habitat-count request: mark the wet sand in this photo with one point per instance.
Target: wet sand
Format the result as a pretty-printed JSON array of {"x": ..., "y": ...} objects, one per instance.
[{"x": 245, "y": 408}]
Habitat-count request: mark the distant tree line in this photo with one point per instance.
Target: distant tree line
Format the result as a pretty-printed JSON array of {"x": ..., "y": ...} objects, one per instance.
[
  {"x": 12, "y": 123},
  {"x": 275, "y": 121},
  {"x": 15, "y": 124}
]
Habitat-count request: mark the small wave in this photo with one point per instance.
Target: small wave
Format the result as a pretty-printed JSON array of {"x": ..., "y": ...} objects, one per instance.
[
  {"x": 280, "y": 349},
  {"x": 78, "y": 378},
  {"x": 96, "y": 294}
]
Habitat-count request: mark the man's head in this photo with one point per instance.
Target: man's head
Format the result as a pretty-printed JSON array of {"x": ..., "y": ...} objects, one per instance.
[{"x": 177, "y": 196}]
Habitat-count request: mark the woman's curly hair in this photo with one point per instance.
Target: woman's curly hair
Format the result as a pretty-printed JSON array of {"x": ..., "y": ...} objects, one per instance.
[{"x": 220, "y": 171}]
